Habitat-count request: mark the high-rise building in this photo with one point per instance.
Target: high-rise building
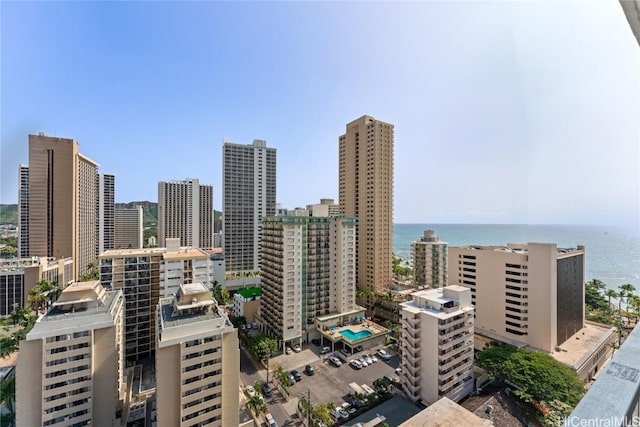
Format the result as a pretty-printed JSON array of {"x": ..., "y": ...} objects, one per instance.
[
  {"x": 197, "y": 361},
  {"x": 18, "y": 276},
  {"x": 106, "y": 212},
  {"x": 23, "y": 212},
  {"x": 185, "y": 211},
  {"x": 71, "y": 366},
  {"x": 145, "y": 275},
  {"x": 437, "y": 344},
  {"x": 63, "y": 202},
  {"x": 524, "y": 294},
  {"x": 429, "y": 261},
  {"x": 366, "y": 192},
  {"x": 307, "y": 270},
  {"x": 129, "y": 230},
  {"x": 249, "y": 194}
]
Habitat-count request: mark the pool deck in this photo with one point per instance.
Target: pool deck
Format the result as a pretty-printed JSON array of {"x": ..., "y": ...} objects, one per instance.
[{"x": 333, "y": 333}]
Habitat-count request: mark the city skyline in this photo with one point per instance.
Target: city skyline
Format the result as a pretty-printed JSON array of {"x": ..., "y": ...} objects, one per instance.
[{"x": 507, "y": 113}]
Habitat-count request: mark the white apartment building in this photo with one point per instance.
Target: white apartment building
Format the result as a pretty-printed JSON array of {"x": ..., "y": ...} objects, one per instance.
[
  {"x": 326, "y": 207},
  {"x": 307, "y": 270},
  {"x": 185, "y": 211},
  {"x": 129, "y": 228},
  {"x": 71, "y": 366},
  {"x": 197, "y": 361},
  {"x": 249, "y": 194},
  {"x": 437, "y": 344},
  {"x": 145, "y": 275},
  {"x": 524, "y": 294},
  {"x": 429, "y": 261}
]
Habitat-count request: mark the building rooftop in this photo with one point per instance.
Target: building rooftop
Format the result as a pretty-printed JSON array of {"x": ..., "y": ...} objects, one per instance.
[
  {"x": 581, "y": 345},
  {"x": 250, "y": 292},
  {"x": 446, "y": 413},
  {"x": 81, "y": 305},
  {"x": 522, "y": 248},
  {"x": 436, "y": 303},
  {"x": 182, "y": 253}
]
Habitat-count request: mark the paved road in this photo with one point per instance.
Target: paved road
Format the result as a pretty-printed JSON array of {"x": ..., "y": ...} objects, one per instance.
[{"x": 250, "y": 372}]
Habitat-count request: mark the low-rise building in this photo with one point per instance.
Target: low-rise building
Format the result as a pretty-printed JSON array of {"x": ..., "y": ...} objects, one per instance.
[{"x": 246, "y": 303}]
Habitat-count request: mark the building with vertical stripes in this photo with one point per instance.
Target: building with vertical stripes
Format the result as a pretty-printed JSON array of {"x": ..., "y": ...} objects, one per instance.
[
  {"x": 249, "y": 194},
  {"x": 366, "y": 192},
  {"x": 185, "y": 211}
]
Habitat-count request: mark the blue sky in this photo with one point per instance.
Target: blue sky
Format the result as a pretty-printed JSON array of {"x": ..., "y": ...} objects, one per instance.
[{"x": 504, "y": 112}]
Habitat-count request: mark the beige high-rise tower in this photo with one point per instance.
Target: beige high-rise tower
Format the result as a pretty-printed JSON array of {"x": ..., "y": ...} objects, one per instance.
[
  {"x": 63, "y": 197},
  {"x": 366, "y": 192}
]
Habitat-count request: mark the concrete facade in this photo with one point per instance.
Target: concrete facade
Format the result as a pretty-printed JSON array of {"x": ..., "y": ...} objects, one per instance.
[
  {"x": 429, "y": 261},
  {"x": 307, "y": 270},
  {"x": 185, "y": 211},
  {"x": 129, "y": 229},
  {"x": 23, "y": 211},
  {"x": 145, "y": 275},
  {"x": 249, "y": 194},
  {"x": 525, "y": 294},
  {"x": 63, "y": 202},
  {"x": 197, "y": 361},
  {"x": 71, "y": 365},
  {"x": 437, "y": 344},
  {"x": 366, "y": 192},
  {"x": 106, "y": 212}
]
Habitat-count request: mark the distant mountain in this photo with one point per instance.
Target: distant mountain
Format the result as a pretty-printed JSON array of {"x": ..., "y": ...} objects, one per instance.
[{"x": 9, "y": 214}]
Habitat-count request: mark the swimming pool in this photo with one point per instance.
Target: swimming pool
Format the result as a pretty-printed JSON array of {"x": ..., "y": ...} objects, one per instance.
[{"x": 354, "y": 336}]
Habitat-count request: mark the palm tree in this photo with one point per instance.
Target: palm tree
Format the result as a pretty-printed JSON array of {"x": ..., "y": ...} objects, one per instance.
[
  {"x": 597, "y": 284},
  {"x": 635, "y": 305},
  {"x": 7, "y": 346},
  {"x": 610, "y": 293},
  {"x": 8, "y": 397},
  {"x": 255, "y": 403},
  {"x": 628, "y": 290}
]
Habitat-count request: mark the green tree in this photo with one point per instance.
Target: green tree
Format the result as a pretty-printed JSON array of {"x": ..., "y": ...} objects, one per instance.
[
  {"x": 627, "y": 291},
  {"x": 322, "y": 414},
  {"x": 256, "y": 404},
  {"x": 91, "y": 274},
  {"x": 610, "y": 293},
  {"x": 538, "y": 375},
  {"x": 7, "y": 346},
  {"x": 8, "y": 397},
  {"x": 593, "y": 298}
]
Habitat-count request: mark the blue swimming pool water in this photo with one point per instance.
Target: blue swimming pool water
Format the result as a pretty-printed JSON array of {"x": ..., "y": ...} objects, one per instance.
[{"x": 354, "y": 336}]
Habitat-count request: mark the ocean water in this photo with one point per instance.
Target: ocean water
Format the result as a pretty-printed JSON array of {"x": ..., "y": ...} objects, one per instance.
[{"x": 612, "y": 254}]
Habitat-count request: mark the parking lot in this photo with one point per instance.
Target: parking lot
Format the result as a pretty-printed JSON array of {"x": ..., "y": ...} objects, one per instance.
[{"x": 331, "y": 383}]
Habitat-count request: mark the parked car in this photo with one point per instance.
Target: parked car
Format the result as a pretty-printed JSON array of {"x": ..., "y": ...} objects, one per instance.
[
  {"x": 297, "y": 348},
  {"x": 373, "y": 357},
  {"x": 315, "y": 342},
  {"x": 325, "y": 350},
  {"x": 292, "y": 379},
  {"x": 335, "y": 361},
  {"x": 383, "y": 354},
  {"x": 296, "y": 375},
  {"x": 358, "y": 348},
  {"x": 309, "y": 370},
  {"x": 363, "y": 361},
  {"x": 356, "y": 364},
  {"x": 270, "y": 421},
  {"x": 288, "y": 350},
  {"x": 367, "y": 359},
  {"x": 250, "y": 391},
  {"x": 266, "y": 390}
]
